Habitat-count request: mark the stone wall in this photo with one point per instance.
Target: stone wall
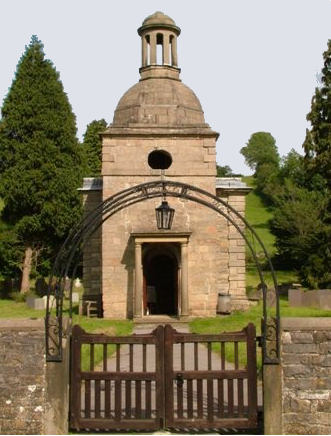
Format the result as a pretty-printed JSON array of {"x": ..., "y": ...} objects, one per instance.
[
  {"x": 237, "y": 250},
  {"x": 33, "y": 394},
  {"x": 92, "y": 250},
  {"x": 297, "y": 393},
  {"x": 306, "y": 363}
]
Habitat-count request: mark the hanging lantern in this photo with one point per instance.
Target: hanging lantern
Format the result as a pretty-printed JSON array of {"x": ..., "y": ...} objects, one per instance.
[{"x": 164, "y": 216}]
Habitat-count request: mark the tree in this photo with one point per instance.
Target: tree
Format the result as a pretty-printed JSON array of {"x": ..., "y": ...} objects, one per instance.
[
  {"x": 224, "y": 171},
  {"x": 261, "y": 155},
  {"x": 317, "y": 145},
  {"x": 40, "y": 160},
  {"x": 302, "y": 218},
  {"x": 260, "y": 150},
  {"x": 93, "y": 147}
]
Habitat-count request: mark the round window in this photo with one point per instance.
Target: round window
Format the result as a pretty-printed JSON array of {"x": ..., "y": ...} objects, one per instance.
[{"x": 159, "y": 160}]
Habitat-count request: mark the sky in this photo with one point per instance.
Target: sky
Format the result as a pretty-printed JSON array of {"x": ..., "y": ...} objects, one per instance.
[{"x": 252, "y": 63}]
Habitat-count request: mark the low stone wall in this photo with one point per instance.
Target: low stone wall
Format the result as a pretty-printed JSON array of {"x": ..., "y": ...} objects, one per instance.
[
  {"x": 33, "y": 394},
  {"x": 298, "y": 392}
]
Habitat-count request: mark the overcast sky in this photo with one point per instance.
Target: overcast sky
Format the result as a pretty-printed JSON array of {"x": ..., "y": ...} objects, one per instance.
[{"x": 252, "y": 63}]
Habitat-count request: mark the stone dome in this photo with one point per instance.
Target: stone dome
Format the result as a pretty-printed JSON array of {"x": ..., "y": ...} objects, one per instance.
[
  {"x": 159, "y": 101},
  {"x": 158, "y": 18}
]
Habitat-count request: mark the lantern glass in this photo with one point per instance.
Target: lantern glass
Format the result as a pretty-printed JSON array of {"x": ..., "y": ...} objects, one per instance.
[{"x": 164, "y": 216}]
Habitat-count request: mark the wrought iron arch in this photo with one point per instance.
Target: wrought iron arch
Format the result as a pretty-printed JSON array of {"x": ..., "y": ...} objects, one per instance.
[{"x": 69, "y": 254}]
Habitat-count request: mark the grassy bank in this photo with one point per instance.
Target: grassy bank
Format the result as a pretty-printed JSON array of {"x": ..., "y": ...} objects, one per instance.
[{"x": 259, "y": 216}]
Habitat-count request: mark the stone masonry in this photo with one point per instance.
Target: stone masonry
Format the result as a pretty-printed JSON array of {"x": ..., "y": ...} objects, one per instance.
[
  {"x": 306, "y": 376},
  {"x": 33, "y": 393},
  {"x": 161, "y": 115}
]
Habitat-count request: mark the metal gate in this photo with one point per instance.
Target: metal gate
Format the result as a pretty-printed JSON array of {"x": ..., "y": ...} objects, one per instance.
[{"x": 165, "y": 379}]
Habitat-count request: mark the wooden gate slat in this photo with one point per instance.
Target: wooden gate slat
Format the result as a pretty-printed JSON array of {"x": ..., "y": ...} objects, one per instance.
[
  {"x": 230, "y": 397},
  {"x": 189, "y": 398},
  {"x": 220, "y": 397},
  {"x": 91, "y": 357},
  {"x": 107, "y": 399},
  {"x": 87, "y": 398},
  {"x": 180, "y": 400},
  {"x": 97, "y": 398},
  {"x": 240, "y": 397},
  {"x": 148, "y": 388},
  {"x": 128, "y": 399},
  {"x": 138, "y": 399},
  {"x": 118, "y": 400},
  {"x": 222, "y": 355}
]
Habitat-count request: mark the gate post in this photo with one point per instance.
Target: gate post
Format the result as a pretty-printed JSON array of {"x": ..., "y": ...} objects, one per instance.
[
  {"x": 252, "y": 377},
  {"x": 75, "y": 397}
]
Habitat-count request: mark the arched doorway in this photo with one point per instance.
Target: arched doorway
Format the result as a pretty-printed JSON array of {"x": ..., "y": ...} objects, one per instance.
[{"x": 160, "y": 270}]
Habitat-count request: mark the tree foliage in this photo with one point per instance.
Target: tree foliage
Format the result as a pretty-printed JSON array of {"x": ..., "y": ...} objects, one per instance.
[
  {"x": 261, "y": 155},
  {"x": 260, "y": 150},
  {"x": 302, "y": 217},
  {"x": 223, "y": 171},
  {"x": 40, "y": 159},
  {"x": 92, "y": 145},
  {"x": 317, "y": 145}
]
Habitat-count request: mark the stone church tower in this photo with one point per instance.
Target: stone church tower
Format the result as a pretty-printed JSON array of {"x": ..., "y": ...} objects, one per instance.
[{"x": 159, "y": 130}]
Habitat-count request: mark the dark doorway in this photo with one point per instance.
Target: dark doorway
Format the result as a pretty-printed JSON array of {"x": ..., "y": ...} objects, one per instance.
[{"x": 160, "y": 285}]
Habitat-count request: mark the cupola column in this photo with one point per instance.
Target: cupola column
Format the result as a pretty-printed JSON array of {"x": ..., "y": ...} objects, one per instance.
[
  {"x": 165, "y": 51},
  {"x": 152, "y": 39},
  {"x": 174, "y": 60},
  {"x": 144, "y": 51}
]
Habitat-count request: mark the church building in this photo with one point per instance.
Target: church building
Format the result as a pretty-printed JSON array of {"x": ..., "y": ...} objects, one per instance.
[{"x": 159, "y": 131}]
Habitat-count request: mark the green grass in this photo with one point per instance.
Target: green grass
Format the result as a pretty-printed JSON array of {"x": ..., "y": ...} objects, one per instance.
[
  {"x": 238, "y": 320},
  {"x": 253, "y": 278},
  {"x": 258, "y": 215},
  {"x": 12, "y": 309}
]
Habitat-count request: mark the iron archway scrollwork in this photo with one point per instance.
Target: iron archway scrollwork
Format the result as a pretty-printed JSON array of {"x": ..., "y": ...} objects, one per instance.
[{"x": 68, "y": 258}]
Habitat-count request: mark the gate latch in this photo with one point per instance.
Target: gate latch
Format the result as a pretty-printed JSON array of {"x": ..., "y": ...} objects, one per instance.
[{"x": 179, "y": 379}]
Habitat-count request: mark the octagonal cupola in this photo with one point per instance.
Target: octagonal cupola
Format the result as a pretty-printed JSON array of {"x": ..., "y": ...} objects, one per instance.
[{"x": 159, "y": 47}]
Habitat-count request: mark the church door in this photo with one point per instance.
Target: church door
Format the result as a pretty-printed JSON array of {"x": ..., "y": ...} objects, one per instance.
[{"x": 160, "y": 285}]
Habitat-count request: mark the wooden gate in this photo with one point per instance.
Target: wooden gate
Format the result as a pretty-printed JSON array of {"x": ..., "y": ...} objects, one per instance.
[{"x": 164, "y": 379}]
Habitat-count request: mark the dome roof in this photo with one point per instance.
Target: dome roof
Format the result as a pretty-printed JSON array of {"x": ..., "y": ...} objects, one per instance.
[
  {"x": 159, "y": 101},
  {"x": 158, "y": 18}
]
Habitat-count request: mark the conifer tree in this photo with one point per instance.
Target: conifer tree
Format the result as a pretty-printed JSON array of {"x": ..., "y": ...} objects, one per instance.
[
  {"x": 92, "y": 147},
  {"x": 40, "y": 160},
  {"x": 317, "y": 145}
]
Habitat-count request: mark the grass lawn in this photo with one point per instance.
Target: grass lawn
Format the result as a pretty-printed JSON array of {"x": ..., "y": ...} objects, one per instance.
[
  {"x": 258, "y": 215},
  {"x": 238, "y": 320}
]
